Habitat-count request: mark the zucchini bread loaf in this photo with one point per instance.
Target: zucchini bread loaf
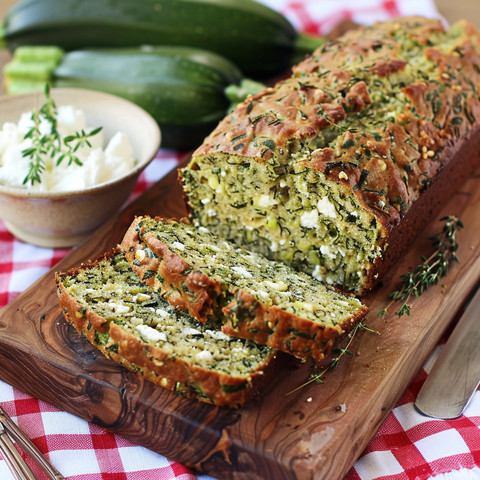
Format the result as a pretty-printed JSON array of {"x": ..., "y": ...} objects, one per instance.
[
  {"x": 336, "y": 169},
  {"x": 137, "y": 328},
  {"x": 254, "y": 298}
]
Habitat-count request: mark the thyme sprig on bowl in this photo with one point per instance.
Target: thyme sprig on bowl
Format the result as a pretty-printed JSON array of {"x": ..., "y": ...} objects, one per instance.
[
  {"x": 317, "y": 377},
  {"x": 50, "y": 144},
  {"x": 431, "y": 270}
]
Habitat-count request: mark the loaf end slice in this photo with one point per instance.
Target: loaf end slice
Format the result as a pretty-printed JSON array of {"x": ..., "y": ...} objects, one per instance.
[
  {"x": 137, "y": 328},
  {"x": 254, "y": 298}
]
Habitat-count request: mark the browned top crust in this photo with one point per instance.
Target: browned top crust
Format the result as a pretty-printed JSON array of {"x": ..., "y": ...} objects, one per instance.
[{"x": 380, "y": 110}]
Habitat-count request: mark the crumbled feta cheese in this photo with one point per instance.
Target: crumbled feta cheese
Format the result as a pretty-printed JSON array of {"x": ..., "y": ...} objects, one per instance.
[
  {"x": 151, "y": 334},
  {"x": 326, "y": 207},
  {"x": 141, "y": 297},
  {"x": 280, "y": 286},
  {"x": 204, "y": 356},
  {"x": 205, "y": 201},
  {"x": 99, "y": 166},
  {"x": 223, "y": 174},
  {"x": 191, "y": 331},
  {"x": 274, "y": 246},
  {"x": 118, "y": 308},
  {"x": 162, "y": 313},
  {"x": 178, "y": 245},
  {"x": 282, "y": 242},
  {"x": 309, "y": 219},
  {"x": 266, "y": 201},
  {"x": 136, "y": 321},
  {"x": 203, "y": 230},
  {"x": 310, "y": 307},
  {"x": 262, "y": 293},
  {"x": 218, "y": 335},
  {"x": 317, "y": 273},
  {"x": 282, "y": 184},
  {"x": 212, "y": 247},
  {"x": 242, "y": 271},
  {"x": 326, "y": 251},
  {"x": 211, "y": 212}
]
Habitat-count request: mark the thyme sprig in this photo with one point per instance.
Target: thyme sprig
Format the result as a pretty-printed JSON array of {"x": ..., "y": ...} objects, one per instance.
[
  {"x": 431, "y": 270},
  {"x": 41, "y": 144},
  {"x": 81, "y": 139},
  {"x": 317, "y": 377},
  {"x": 50, "y": 144}
]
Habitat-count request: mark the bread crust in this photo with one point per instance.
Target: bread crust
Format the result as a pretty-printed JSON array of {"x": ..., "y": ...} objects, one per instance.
[
  {"x": 400, "y": 168},
  {"x": 245, "y": 316},
  {"x": 157, "y": 366},
  {"x": 283, "y": 330}
]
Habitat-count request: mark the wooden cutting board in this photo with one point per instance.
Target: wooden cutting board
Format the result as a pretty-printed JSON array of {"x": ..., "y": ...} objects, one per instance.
[{"x": 317, "y": 432}]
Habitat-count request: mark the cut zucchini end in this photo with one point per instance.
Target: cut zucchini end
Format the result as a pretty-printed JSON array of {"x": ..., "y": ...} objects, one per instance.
[
  {"x": 31, "y": 68},
  {"x": 42, "y": 53}
]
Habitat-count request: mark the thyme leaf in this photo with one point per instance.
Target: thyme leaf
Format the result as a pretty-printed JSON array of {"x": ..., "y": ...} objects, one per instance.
[{"x": 430, "y": 271}]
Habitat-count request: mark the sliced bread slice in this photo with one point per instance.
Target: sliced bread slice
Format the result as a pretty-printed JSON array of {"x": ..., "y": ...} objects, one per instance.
[
  {"x": 136, "y": 327},
  {"x": 255, "y": 298}
]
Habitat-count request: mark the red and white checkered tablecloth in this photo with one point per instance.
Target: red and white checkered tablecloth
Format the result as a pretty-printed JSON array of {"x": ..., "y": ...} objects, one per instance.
[{"x": 408, "y": 445}]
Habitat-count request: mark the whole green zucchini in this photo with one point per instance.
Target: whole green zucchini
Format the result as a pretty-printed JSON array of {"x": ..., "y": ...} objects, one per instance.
[
  {"x": 259, "y": 40},
  {"x": 182, "y": 88}
]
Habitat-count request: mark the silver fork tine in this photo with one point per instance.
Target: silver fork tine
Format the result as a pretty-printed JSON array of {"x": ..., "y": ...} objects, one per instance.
[{"x": 16, "y": 433}]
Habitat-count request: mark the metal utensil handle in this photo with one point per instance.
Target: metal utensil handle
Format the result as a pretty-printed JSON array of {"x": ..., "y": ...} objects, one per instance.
[
  {"x": 10, "y": 459},
  {"x": 29, "y": 447},
  {"x": 14, "y": 460},
  {"x": 455, "y": 375}
]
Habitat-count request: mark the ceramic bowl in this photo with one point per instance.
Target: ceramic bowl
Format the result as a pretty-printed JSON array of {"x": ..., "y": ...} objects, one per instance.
[{"x": 64, "y": 219}]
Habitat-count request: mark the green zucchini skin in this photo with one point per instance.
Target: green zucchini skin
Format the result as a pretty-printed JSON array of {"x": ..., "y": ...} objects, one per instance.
[
  {"x": 257, "y": 39},
  {"x": 182, "y": 88}
]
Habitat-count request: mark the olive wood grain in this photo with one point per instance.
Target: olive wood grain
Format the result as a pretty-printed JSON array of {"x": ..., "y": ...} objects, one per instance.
[{"x": 317, "y": 432}]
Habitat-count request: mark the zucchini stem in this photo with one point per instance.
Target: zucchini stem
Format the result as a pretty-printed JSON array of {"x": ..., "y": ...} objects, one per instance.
[
  {"x": 31, "y": 68},
  {"x": 238, "y": 93},
  {"x": 304, "y": 45},
  {"x": 3, "y": 40}
]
